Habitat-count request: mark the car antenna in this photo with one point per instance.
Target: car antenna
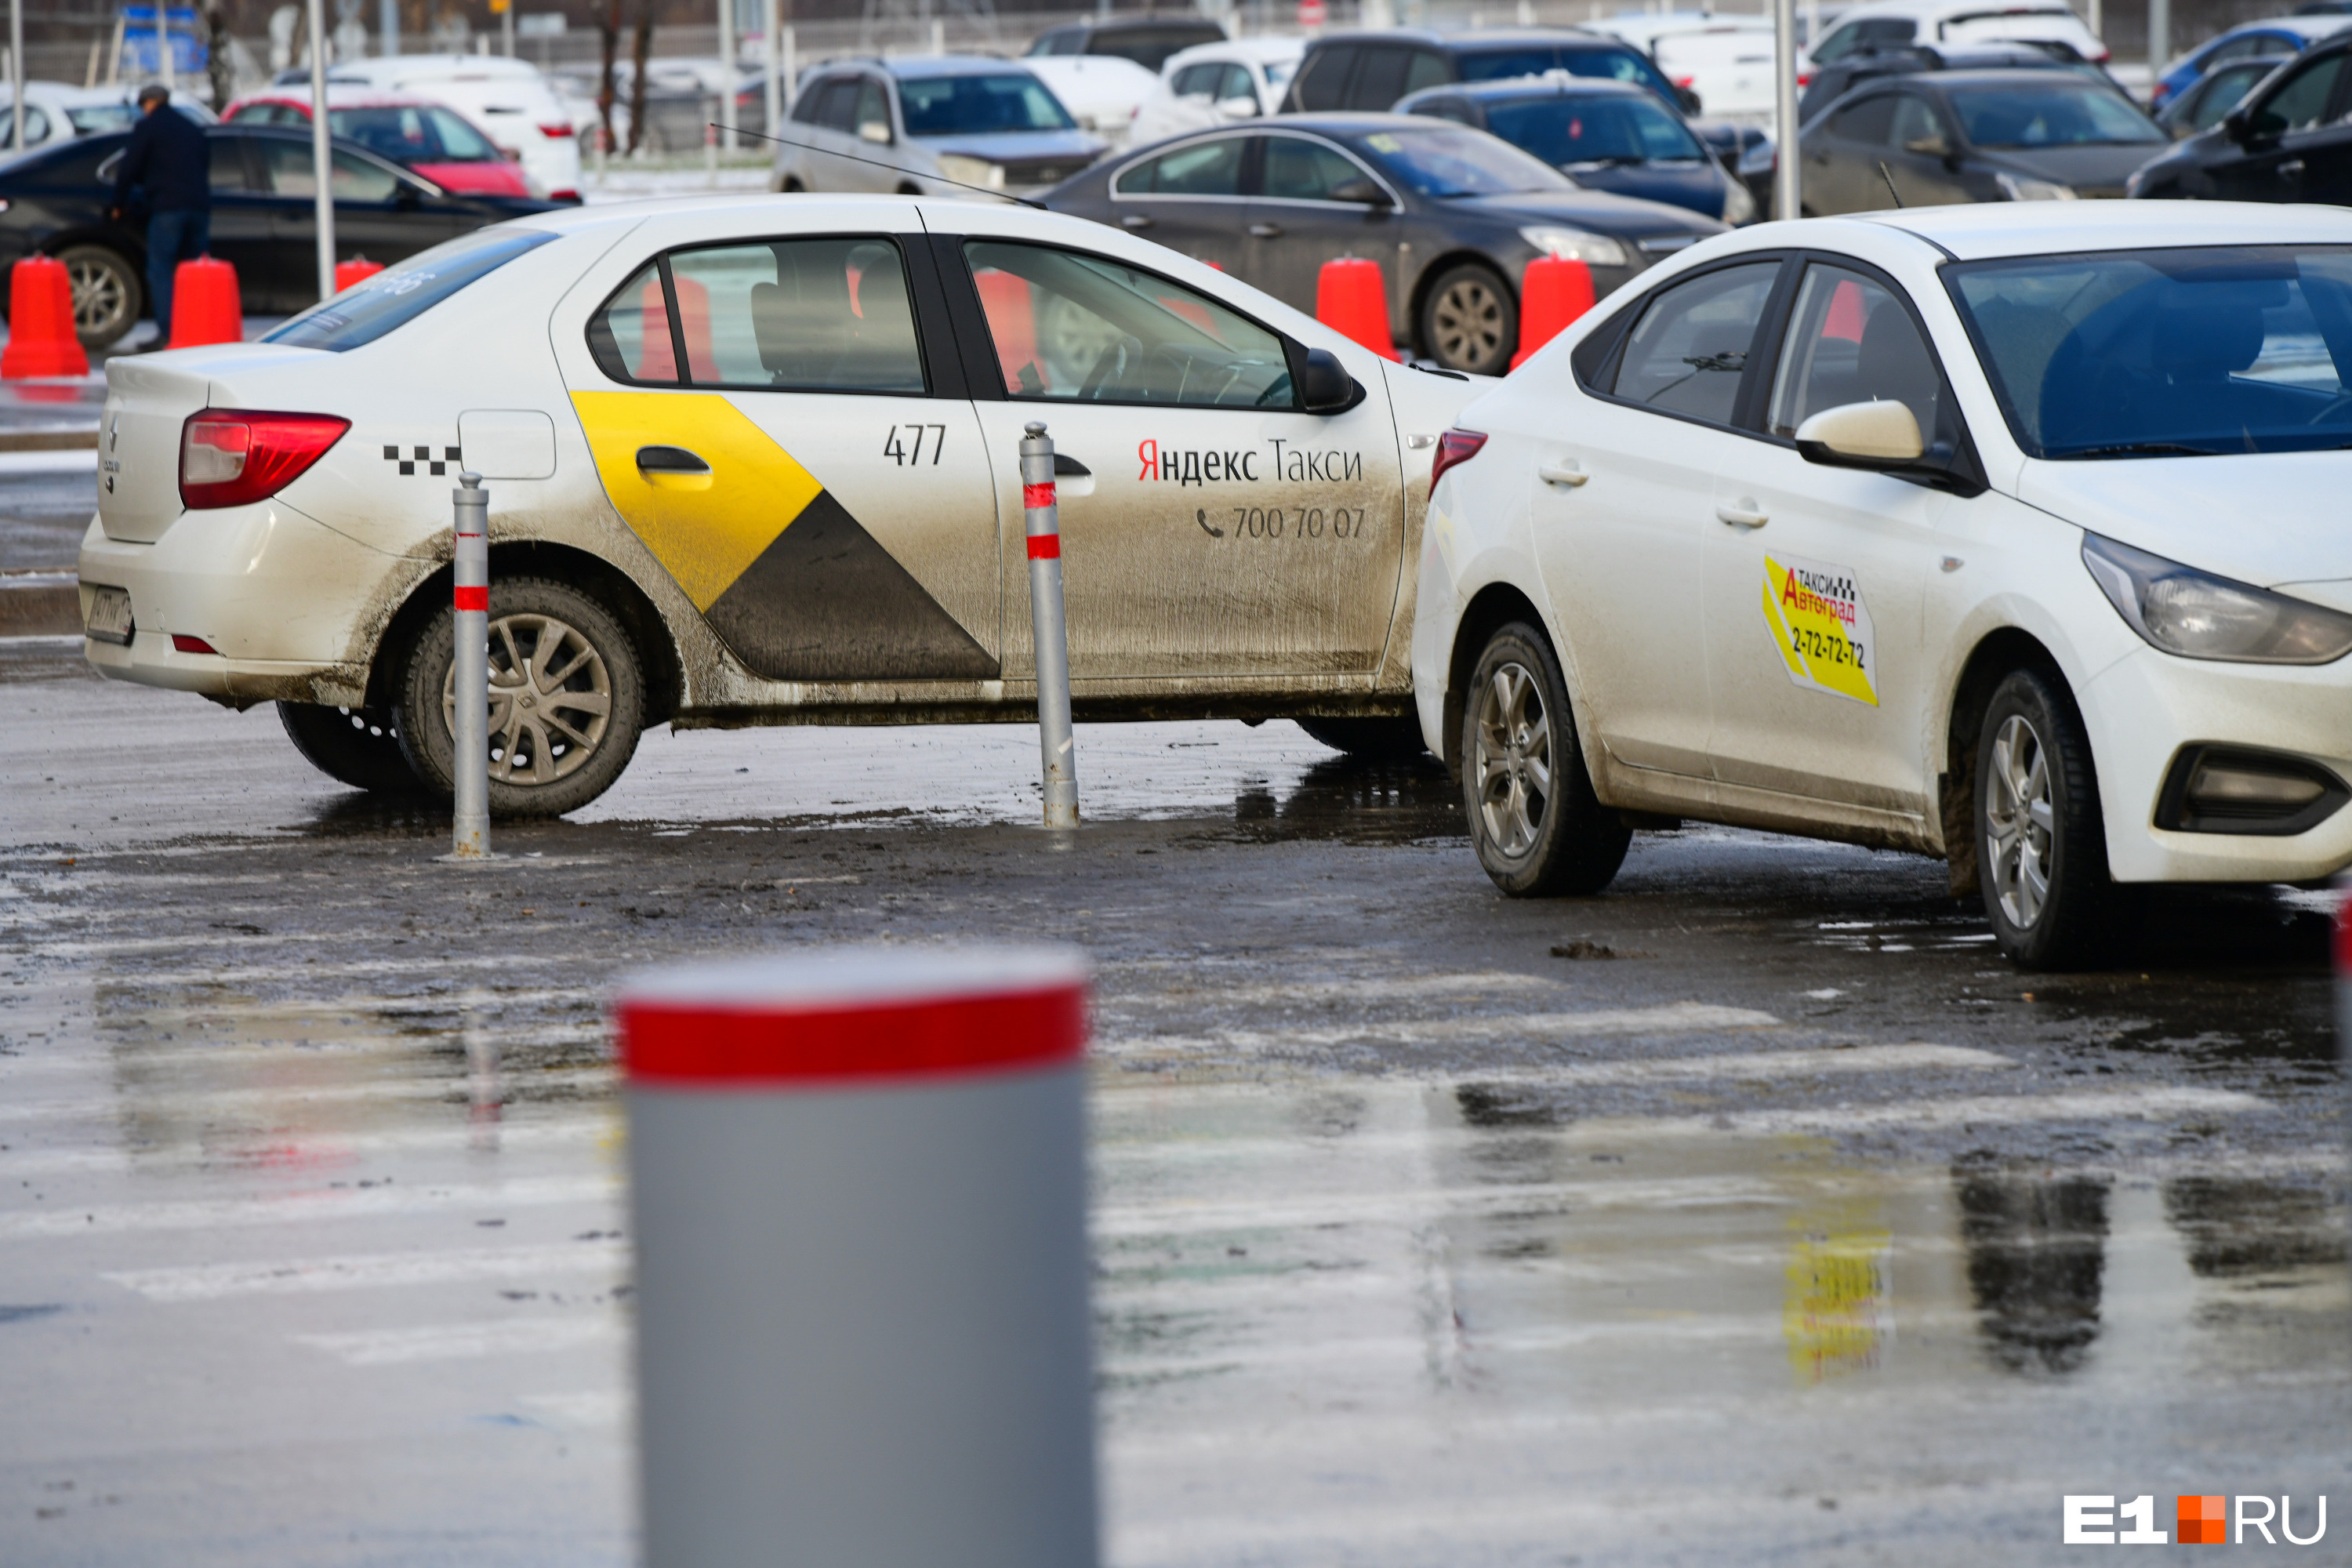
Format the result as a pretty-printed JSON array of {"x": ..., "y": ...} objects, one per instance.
[
  {"x": 943, "y": 179},
  {"x": 1889, "y": 178}
]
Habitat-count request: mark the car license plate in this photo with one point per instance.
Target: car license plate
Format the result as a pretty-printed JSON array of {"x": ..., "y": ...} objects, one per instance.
[{"x": 109, "y": 615}]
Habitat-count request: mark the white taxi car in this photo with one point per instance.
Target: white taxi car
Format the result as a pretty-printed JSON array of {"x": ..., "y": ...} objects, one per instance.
[
  {"x": 754, "y": 460},
  {"x": 2006, "y": 534}
]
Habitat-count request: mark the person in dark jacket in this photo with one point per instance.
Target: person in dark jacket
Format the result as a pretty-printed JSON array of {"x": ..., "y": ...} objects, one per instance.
[{"x": 168, "y": 154}]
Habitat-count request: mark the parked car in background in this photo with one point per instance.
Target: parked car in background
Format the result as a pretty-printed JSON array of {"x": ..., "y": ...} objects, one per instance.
[
  {"x": 1210, "y": 85},
  {"x": 2287, "y": 140},
  {"x": 1146, "y": 40},
  {"x": 1973, "y": 136},
  {"x": 2276, "y": 36},
  {"x": 2201, "y": 106},
  {"x": 1102, "y": 93},
  {"x": 1604, "y": 135},
  {"x": 1885, "y": 24},
  {"x": 1452, "y": 214},
  {"x": 427, "y": 138},
  {"x": 1832, "y": 82},
  {"x": 934, "y": 125},
  {"x": 507, "y": 98},
  {"x": 57, "y": 112},
  {"x": 1370, "y": 72},
  {"x": 55, "y": 200},
  {"x": 1726, "y": 61}
]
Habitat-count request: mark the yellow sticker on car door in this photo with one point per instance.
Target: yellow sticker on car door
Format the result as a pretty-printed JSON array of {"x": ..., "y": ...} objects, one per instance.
[{"x": 1821, "y": 627}]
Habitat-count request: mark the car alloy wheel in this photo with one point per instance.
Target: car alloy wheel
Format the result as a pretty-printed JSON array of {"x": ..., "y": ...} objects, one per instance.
[
  {"x": 1512, "y": 760},
  {"x": 1538, "y": 828},
  {"x": 2041, "y": 851},
  {"x": 550, "y": 699},
  {"x": 106, "y": 294},
  {"x": 1470, "y": 322},
  {"x": 2018, "y": 822}
]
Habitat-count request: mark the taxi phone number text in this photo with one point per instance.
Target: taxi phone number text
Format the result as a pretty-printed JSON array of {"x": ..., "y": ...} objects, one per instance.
[
  {"x": 1299, "y": 522},
  {"x": 1826, "y": 650}
]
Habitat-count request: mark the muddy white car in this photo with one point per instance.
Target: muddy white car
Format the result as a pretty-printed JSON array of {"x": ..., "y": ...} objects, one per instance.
[
  {"x": 755, "y": 461},
  {"x": 2012, "y": 535}
]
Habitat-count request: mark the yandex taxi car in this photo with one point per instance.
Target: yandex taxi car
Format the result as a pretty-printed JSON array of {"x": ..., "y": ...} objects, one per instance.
[
  {"x": 2007, "y": 534},
  {"x": 755, "y": 460}
]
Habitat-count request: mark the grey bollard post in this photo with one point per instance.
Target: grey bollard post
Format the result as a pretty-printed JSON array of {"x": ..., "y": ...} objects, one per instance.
[
  {"x": 858, "y": 1208},
  {"x": 470, "y": 674},
  {"x": 1048, "y": 630}
]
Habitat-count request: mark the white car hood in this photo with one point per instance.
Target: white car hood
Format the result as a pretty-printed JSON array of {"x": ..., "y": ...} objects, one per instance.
[{"x": 2264, "y": 518}]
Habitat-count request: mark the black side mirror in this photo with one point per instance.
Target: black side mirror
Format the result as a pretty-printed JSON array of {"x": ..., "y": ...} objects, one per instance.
[
  {"x": 1324, "y": 384},
  {"x": 1688, "y": 99},
  {"x": 2235, "y": 124},
  {"x": 405, "y": 194},
  {"x": 1361, "y": 191}
]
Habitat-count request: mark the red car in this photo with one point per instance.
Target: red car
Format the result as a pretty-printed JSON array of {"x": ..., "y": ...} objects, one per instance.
[{"x": 417, "y": 133}]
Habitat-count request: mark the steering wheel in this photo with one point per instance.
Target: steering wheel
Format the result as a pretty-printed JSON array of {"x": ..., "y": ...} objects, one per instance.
[{"x": 1110, "y": 362}]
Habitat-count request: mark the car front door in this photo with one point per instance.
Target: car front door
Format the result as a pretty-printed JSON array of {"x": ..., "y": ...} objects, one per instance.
[
  {"x": 1842, "y": 155},
  {"x": 761, "y": 414},
  {"x": 1816, "y": 576},
  {"x": 1222, "y": 534},
  {"x": 1921, "y": 155},
  {"x": 2298, "y": 146},
  {"x": 244, "y": 233},
  {"x": 1189, "y": 198},
  {"x": 1296, "y": 222},
  {"x": 380, "y": 213},
  {"x": 1623, "y": 499}
]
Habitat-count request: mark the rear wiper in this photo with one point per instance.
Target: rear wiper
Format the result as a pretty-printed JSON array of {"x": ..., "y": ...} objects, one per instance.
[{"x": 2146, "y": 449}]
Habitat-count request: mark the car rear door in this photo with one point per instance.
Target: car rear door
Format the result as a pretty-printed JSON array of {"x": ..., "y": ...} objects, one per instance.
[
  {"x": 243, "y": 230},
  {"x": 1189, "y": 198}
]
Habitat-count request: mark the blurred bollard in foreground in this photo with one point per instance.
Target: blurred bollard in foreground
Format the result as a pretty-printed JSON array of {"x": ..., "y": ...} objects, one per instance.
[{"x": 858, "y": 1190}]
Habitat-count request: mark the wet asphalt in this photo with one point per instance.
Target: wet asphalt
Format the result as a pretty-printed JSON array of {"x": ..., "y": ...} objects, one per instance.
[{"x": 1753, "y": 1212}]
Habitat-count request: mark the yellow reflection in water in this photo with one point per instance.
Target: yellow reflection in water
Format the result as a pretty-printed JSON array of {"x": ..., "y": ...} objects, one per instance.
[{"x": 1838, "y": 1312}]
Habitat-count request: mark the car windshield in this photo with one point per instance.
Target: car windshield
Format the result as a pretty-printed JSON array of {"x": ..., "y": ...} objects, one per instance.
[
  {"x": 405, "y": 290},
  {"x": 2056, "y": 113},
  {"x": 1535, "y": 60},
  {"x": 976, "y": 105},
  {"x": 97, "y": 118},
  {"x": 1446, "y": 162},
  {"x": 427, "y": 134},
  {"x": 1279, "y": 72},
  {"x": 2185, "y": 352},
  {"x": 1570, "y": 130}
]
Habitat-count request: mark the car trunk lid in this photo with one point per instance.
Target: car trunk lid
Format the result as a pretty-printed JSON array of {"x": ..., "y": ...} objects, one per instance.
[{"x": 147, "y": 403}]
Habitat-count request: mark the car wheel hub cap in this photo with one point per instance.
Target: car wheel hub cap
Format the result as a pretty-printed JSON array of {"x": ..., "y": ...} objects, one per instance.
[
  {"x": 1511, "y": 760},
  {"x": 1469, "y": 325},
  {"x": 550, "y": 699},
  {"x": 2019, "y": 822}
]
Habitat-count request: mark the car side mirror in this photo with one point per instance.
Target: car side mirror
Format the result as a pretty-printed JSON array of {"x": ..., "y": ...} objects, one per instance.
[
  {"x": 1324, "y": 384},
  {"x": 405, "y": 194},
  {"x": 1362, "y": 192},
  {"x": 1879, "y": 434},
  {"x": 1688, "y": 99},
  {"x": 874, "y": 131},
  {"x": 1237, "y": 108}
]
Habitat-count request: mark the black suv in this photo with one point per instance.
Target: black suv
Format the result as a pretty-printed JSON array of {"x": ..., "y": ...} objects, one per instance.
[
  {"x": 1146, "y": 40},
  {"x": 2289, "y": 141},
  {"x": 1370, "y": 72}
]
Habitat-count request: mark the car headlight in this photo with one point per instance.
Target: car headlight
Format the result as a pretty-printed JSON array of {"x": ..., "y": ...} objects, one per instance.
[
  {"x": 968, "y": 171},
  {"x": 2197, "y": 616},
  {"x": 1575, "y": 245},
  {"x": 2026, "y": 188},
  {"x": 1739, "y": 207}
]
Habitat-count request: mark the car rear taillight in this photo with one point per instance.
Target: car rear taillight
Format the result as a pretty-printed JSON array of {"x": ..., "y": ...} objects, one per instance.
[
  {"x": 1453, "y": 446},
  {"x": 563, "y": 130},
  {"x": 232, "y": 456}
]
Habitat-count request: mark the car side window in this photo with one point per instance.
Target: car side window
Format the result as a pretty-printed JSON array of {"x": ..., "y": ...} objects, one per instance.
[
  {"x": 1323, "y": 81},
  {"x": 873, "y": 108},
  {"x": 2300, "y": 103},
  {"x": 1379, "y": 77},
  {"x": 1427, "y": 69},
  {"x": 1852, "y": 340},
  {"x": 839, "y": 109},
  {"x": 804, "y": 108},
  {"x": 289, "y": 172},
  {"x": 1297, "y": 169},
  {"x": 1691, "y": 346},
  {"x": 804, "y": 315},
  {"x": 2222, "y": 92},
  {"x": 1235, "y": 83},
  {"x": 1196, "y": 81},
  {"x": 1068, "y": 326},
  {"x": 1915, "y": 122},
  {"x": 37, "y": 127},
  {"x": 1212, "y": 168},
  {"x": 1868, "y": 123},
  {"x": 1453, "y": 109},
  {"x": 226, "y": 168}
]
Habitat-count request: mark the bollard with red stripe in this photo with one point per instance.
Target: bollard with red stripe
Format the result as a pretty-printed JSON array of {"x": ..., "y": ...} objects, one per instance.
[
  {"x": 1056, "y": 742},
  {"x": 857, "y": 1178},
  {"x": 470, "y": 558}
]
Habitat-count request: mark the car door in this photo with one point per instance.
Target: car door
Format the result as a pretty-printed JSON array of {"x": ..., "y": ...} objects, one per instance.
[
  {"x": 1815, "y": 577},
  {"x": 1922, "y": 148},
  {"x": 2296, "y": 147},
  {"x": 1841, "y": 155},
  {"x": 1623, "y": 499},
  {"x": 244, "y": 233},
  {"x": 1189, "y": 198},
  {"x": 1223, "y": 534},
  {"x": 1295, "y": 223},
  {"x": 811, "y": 478},
  {"x": 830, "y": 131},
  {"x": 380, "y": 213}
]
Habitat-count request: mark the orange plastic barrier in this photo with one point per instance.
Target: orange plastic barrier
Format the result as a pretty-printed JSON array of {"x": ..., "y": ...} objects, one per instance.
[
  {"x": 350, "y": 272},
  {"x": 1004, "y": 300},
  {"x": 41, "y": 338},
  {"x": 1352, "y": 299},
  {"x": 656, "y": 360},
  {"x": 205, "y": 304},
  {"x": 1555, "y": 292}
]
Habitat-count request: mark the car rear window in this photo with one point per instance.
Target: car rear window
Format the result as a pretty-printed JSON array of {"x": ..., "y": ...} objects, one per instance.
[
  {"x": 405, "y": 290},
  {"x": 979, "y": 105}
]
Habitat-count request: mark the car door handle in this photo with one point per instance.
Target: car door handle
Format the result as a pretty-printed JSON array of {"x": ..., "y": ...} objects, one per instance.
[
  {"x": 1135, "y": 220},
  {"x": 2290, "y": 170},
  {"x": 1570, "y": 474},
  {"x": 1266, "y": 230},
  {"x": 1742, "y": 516},
  {"x": 669, "y": 460}
]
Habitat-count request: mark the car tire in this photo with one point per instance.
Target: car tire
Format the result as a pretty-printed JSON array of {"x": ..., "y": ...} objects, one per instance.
[
  {"x": 1538, "y": 828},
  {"x": 1469, "y": 321},
  {"x": 2041, "y": 850},
  {"x": 109, "y": 297},
  {"x": 357, "y": 746},
  {"x": 1370, "y": 740},
  {"x": 553, "y": 650}
]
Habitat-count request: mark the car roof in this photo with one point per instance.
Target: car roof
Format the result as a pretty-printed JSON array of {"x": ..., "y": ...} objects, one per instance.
[
  {"x": 1098, "y": 26},
  {"x": 2008, "y": 76},
  {"x": 1551, "y": 84},
  {"x": 1339, "y": 123},
  {"x": 2323, "y": 24},
  {"x": 346, "y": 97},
  {"x": 1231, "y": 49},
  {"x": 1477, "y": 38},
  {"x": 1990, "y": 229},
  {"x": 922, "y": 68},
  {"x": 1945, "y": 10}
]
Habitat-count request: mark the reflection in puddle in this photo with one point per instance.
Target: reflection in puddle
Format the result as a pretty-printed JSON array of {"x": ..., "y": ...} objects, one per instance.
[
  {"x": 2036, "y": 1251},
  {"x": 1841, "y": 1305}
]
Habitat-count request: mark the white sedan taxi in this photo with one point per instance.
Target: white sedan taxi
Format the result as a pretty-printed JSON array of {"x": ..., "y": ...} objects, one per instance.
[
  {"x": 754, "y": 460},
  {"x": 2012, "y": 535}
]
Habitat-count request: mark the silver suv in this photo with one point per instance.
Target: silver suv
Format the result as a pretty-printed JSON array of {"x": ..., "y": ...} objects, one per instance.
[{"x": 932, "y": 126}]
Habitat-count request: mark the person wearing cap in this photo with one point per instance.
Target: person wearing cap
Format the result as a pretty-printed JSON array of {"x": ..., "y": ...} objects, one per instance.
[{"x": 168, "y": 154}]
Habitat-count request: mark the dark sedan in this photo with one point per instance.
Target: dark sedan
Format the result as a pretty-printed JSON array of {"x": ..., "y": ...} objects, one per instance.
[
  {"x": 264, "y": 220},
  {"x": 1973, "y": 136},
  {"x": 1452, "y": 216},
  {"x": 2288, "y": 141},
  {"x": 1604, "y": 135}
]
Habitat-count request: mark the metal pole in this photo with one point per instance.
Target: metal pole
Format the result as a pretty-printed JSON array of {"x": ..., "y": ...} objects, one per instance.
[
  {"x": 506, "y": 28},
  {"x": 17, "y": 74},
  {"x": 1057, "y": 746},
  {"x": 164, "y": 46},
  {"x": 727, "y": 71},
  {"x": 1786, "y": 203},
  {"x": 2159, "y": 38},
  {"x": 388, "y": 27},
  {"x": 791, "y": 68},
  {"x": 771, "y": 29},
  {"x": 322, "y": 163},
  {"x": 471, "y": 601}
]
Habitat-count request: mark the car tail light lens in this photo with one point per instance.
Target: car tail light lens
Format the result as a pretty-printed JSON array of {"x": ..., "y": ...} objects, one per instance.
[
  {"x": 563, "y": 130},
  {"x": 1453, "y": 446},
  {"x": 183, "y": 643},
  {"x": 232, "y": 456}
]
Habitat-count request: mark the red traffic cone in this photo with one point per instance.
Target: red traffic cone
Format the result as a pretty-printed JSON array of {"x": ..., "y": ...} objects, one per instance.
[
  {"x": 1556, "y": 291},
  {"x": 350, "y": 272},
  {"x": 205, "y": 304},
  {"x": 41, "y": 340},
  {"x": 1352, "y": 300},
  {"x": 1013, "y": 323}
]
